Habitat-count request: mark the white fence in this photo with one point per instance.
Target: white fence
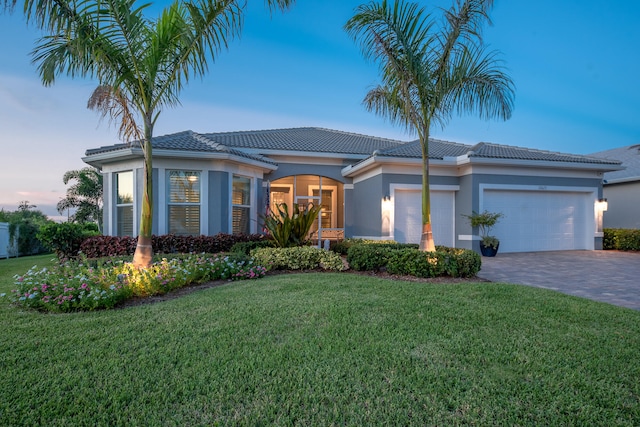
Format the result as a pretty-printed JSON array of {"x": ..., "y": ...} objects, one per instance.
[{"x": 7, "y": 247}]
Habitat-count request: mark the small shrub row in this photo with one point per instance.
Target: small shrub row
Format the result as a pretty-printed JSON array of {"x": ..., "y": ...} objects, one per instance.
[
  {"x": 247, "y": 247},
  {"x": 342, "y": 247},
  {"x": 81, "y": 285},
  {"x": 411, "y": 261},
  {"x": 621, "y": 239},
  {"x": 297, "y": 258},
  {"x": 106, "y": 246}
]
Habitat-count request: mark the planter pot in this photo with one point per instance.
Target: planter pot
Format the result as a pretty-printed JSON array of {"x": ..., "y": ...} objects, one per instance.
[{"x": 489, "y": 250}]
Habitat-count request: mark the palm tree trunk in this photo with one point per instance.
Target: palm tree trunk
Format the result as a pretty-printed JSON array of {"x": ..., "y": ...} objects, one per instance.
[
  {"x": 144, "y": 249},
  {"x": 426, "y": 238}
]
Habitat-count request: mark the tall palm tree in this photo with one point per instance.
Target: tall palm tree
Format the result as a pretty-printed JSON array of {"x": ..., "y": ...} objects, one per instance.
[
  {"x": 430, "y": 71},
  {"x": 141, "y": 64},
  {"x": 84, "y": 195}
]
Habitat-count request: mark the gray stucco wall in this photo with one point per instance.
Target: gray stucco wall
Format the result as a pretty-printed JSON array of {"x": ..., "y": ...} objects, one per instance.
[
  {"x": 218, "y": 202},
  {"x": 367, "y": 208},
  {"x": 624, "y": 205},
  {"x": 288, "y": 169},
  {"x": 465, "y": 198},
  {"x": 139, "y": 179}
]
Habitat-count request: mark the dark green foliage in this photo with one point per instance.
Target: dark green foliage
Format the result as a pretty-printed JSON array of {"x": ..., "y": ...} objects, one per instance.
[
  {"x": 342, "y": 247},
  {"x": 247, "y": 247},
  {"x": 621, "y": 239},
  {"x": 23, "y": 226},
  {"x": 102, "y": 246},
  {"x": 84, "y": 195},
  {"x": 65, "y": 238},
  {"x": 367, "y": 257},
  {"x": 400, "y": 259},
  {"x": 291, "y": 229},
  {"x": 417, "y": 263}
]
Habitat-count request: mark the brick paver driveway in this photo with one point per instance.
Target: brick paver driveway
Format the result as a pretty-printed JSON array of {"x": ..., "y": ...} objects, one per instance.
[{"x": 608, "y": 276}]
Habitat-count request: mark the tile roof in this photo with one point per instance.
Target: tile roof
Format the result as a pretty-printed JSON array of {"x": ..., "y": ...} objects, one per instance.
[
  {"x": 630, "y": 158},
  {"x": 496, "y": 151},
  {"x": 183, "y": 141},
  {"x": 257, "y": 144},
  {"x": 438, "y": 149},
  {"x": 309, "y": 139}
]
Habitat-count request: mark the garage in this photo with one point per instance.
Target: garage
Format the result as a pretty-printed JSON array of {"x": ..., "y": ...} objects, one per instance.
[
  {"x": 407, "y": 226},
  {"x": 542, "y": 220}
]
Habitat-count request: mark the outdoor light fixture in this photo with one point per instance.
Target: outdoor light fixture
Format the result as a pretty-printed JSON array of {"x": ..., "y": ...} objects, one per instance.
[
  {"x": 386, "y": 198},
  {"x": 604, "y": 205}
]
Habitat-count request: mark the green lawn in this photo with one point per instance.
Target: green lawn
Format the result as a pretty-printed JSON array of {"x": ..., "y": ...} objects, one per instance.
[{"x": 324, "y": 349}]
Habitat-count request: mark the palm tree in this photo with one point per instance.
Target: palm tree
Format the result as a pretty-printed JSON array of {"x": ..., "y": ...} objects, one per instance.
[
  {"x": 141, "y": 64},
  {"x": 430, "y": 71},
  {"x": 85, "y": 195}
]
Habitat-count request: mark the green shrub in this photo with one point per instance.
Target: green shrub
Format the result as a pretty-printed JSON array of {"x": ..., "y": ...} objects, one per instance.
[
  {"x": 291, "y": 229},
  {"x": 621, "y": 239},
  {"x": 297, "y": 258},
  {"x": 342, "y": 247},
  {"x": 404, "y": 259},
  {"x": 99, "y": 284},
  {"x": 368, "y": 257},
  {"x": 65, "y": 238},
  {"x": 247, "y": 247},
  {"x": 416, "y": 263}
]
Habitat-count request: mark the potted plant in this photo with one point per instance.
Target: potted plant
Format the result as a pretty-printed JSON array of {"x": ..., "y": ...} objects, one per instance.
[{"x": 484, "y": 222}]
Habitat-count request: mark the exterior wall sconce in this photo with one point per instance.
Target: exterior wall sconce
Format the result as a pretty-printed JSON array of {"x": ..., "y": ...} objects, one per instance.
[
  {"x": 386, "y": 198},
  {"x": 603, "y": 205}
]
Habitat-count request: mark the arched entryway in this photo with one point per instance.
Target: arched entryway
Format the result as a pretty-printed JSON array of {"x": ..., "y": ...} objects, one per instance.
[{"x": 316, "y": 190}]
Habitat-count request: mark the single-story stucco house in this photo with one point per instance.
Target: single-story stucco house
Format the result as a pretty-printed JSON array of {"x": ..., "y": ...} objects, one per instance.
[
  {"x": 622, "y": 188},
  {"x": 369, "y": 187}
]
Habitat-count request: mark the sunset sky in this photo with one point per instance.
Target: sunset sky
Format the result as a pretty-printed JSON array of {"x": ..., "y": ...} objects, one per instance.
[{"x": 575, "y": 65}]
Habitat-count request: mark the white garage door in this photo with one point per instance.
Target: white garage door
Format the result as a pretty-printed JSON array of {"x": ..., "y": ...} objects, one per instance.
[
  {"x": 407, "y": 226},
  {"x": 542, "y": 220}
]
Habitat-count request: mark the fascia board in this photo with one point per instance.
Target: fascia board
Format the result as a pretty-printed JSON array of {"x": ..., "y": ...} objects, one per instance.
[
  {"x": 376, "y": 161},
  {"x": 292, "y": 153},
  {"x": 538, "y": 164},
  {"x": 622, "y": 180},
  {"x": 111, "y": 156},
  {"x": 128, "y": 153}
]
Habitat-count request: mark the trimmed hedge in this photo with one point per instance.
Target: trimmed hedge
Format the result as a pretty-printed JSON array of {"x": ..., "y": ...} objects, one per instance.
[
  {"x": 342, "y": 247},
  {"x": 107, "y": 246},
  {"x": 621, "y": 239},
  {"x": 297, "y": 258},
  {"x": 397, "y": 259}
]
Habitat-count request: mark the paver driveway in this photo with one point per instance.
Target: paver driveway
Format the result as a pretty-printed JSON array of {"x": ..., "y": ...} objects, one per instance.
[{"x": 608, "y": 276}]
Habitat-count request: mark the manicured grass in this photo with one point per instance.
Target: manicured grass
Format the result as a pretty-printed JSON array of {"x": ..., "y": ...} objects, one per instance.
[{"x": 325, "y": 349}]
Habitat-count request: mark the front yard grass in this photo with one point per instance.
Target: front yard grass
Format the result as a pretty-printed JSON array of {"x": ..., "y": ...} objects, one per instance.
[{"x": 324, "y": 349}]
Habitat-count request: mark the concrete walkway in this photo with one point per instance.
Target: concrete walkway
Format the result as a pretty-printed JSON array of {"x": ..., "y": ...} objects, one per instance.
[{"x": 607, "y": 276}]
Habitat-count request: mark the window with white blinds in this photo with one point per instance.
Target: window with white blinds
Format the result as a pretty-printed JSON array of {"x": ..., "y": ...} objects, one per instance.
[
  {"x": 124, "y": 203},
  {"x": 241, "y": 205},
  {"x": 184, "y": 202}
]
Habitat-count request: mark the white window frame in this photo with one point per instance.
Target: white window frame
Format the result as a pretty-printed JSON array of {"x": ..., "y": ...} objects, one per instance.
[
  {"x": 334, "y": 200},
  {"x": 116, "y": 230},
  {"x": 169, "y": 203},
  {"x": 251, "y": 205}
]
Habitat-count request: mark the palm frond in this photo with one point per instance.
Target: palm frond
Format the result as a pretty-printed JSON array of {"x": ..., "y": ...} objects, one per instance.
[{"x": 112, "y": 103}]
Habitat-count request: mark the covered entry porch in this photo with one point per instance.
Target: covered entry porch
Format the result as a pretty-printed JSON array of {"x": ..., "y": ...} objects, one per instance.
[{"x": 315, "y": 190}]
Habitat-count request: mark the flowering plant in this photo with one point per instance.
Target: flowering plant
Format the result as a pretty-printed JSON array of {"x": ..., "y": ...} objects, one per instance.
[{"x": 79, "y": 285}]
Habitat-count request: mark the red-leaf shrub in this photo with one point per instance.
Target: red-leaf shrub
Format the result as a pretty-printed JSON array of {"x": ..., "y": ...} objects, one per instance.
[{"x": 107, "y": 246}]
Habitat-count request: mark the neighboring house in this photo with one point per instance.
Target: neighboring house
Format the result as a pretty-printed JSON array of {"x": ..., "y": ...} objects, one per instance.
[
  {"x": 368, "y": 187},
  {"x": 622, "y": 188}
]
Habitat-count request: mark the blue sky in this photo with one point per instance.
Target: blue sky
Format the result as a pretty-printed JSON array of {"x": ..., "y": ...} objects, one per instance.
[{"x": 575, "y": 65}]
